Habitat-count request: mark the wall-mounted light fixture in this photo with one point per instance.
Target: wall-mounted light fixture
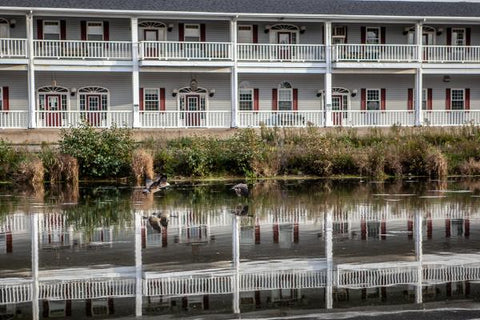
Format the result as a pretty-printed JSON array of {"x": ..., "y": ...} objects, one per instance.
[
  {"x": 13, "y": 22},
  {"x": 302, "y": 29},
  {"x": 73, "y": 91},
  {"x": 170, "y": 27},
  {"x": 406, "y": 30},
  {"x": 174, "y": 93},
  {"x": 446, "y": 79},
  {"x": 267, "y": 28},
  {"x": 211, "y": 93},
  {"x": 354, "y": 92},
  {"x": 439, "y": 31},
  {"x": 319, "y": 93}
]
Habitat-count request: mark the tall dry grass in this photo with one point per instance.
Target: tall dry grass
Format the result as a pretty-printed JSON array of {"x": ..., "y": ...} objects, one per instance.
[
  {"x": 30, "y": 171},
  {"x": 142, "y": 166},
  {"x": 64, "y": 168}
]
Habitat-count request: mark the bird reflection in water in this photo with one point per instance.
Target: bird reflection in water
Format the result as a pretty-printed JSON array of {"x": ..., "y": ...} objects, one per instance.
[{"x": 241, "y": 190}]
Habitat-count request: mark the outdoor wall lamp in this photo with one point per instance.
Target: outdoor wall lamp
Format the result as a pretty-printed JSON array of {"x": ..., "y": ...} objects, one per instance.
[
  {"x": 211, "y": 93},
  {"x": 319, "y": 93},
  {"x": 354, "y": 92},
  {"x": 406, "y": 30},
  {"x": 439, "y": 31},
  {"x": 267, "y": 28},
  {"x": 170, "y": 27},
  {"x": 73, "y": 91},
  {"x": 12, "y": 23},
  {"x": 446, "y": 79},
  {"x": 302, "y": 29},
  {"x": 174, "y": 92}
]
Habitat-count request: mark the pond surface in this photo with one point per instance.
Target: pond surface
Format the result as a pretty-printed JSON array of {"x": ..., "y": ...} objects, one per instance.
[{"x": 304, "y": 247}]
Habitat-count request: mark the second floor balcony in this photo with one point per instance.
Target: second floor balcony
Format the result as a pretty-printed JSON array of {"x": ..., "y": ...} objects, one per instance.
[{"x": 74, "y": 49}]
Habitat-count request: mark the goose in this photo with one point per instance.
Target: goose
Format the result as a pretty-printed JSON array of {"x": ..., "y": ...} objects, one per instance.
[
  {"x": 241, "y": 190},
  {"x": 240, "y": 210},
  {"x": 155, "y": 223},
  {"x": 154, "y": 186}
]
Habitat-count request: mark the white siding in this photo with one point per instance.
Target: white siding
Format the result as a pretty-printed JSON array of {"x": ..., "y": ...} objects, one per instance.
[{"x": 16, "y": 81}]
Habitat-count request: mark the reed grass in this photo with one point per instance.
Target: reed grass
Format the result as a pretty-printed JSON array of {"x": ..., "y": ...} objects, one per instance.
[{"x": 142, "y": 166}]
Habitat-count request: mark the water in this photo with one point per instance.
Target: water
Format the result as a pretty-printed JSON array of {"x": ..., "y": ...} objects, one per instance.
[{"x": 305, "y": 247}]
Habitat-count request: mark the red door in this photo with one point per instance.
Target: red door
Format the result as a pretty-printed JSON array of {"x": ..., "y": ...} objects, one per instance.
[
  {"x": 53, "y": 108},
  {"x": 94, "y": 108},
  {"x": 338, "y": 109},
  {"x": 193, "y": 111},
  {"x": 151, "y": 50},
  {"x": 284, "y": 39}
]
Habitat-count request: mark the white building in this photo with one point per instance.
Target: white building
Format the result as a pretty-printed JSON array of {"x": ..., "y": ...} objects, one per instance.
[{"x": 219, "y": 64}]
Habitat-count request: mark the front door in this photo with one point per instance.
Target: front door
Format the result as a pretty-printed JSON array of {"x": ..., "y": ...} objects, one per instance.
[
  {"x": 284, "y": 39},
  {"x": 151, "y": 48},
  {"x": 193, "y": 111},
  {"x": 53, "y": 108},
  {"x": 338, "y": 107},
  {"x": 4, "y": 30},
  {"x": 94, "y": 117}
]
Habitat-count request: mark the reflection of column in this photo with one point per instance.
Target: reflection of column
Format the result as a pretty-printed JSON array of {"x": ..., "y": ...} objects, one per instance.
[
  {"x": 363, "y": 229},
  {"x": 429, "y": 226},
  {"x": 138, "y": 263},
  {"x": 9, "y": 241},
  {"x": 329, "y": 257},
  {"x": 410, "y": 228},
  {"x": 236, "y": 263},
  {"x": 383, "y": 229},
  {"x": 275, "y": 232},
  {"x": 295, "y": 232},
  {"x": 35, "y": 287},
  {"x": 467, "y": 228},
  {"x": 257, "y": 231},
  {"x": 418, "y": 256}
]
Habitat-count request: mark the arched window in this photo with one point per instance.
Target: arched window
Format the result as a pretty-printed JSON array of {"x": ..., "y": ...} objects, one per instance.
[
  {"x": 285, "y": 96},
  {"x": 93, "y": 99},
  {"x": 284, "y": 34},
  {"x": 152, "y": 31},
  {"x": 52, "y": 98}
]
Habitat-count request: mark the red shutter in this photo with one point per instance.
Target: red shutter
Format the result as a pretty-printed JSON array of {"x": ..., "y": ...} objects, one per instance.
[
  {"x": 449, "y": 36},
  {"x": 467, "y": 99},
  {"x": 274, "y": 99},
  {"x": 255, "y": 33},
  {"x": 162, "y": 99},
  {"x": 447, "y": 99},
  {"x": 295, "y": 99},
  {"x": 9, "y": 242},
  {"x": 5, "y": 99},
  {"x": 410, "y": 99},
  {"x": 39, "y": 29},
  {"x": 83, "y": 30},
  {"x": 346, "y": 34},
  {"x": 256, "y": 104},
  {"x": 323, "y": 34},
  {"x": 383, "y": 96},
  {"x": 63, "y": 30},
  {"x": 202, "y": 32},
  {"x": 383, "y": 33},
  {"x": 68, "y": 308},
  {"x": 181, "y": 32},
  {"x": 141, "y": 99},
  {"x": 363, "y": 35},
  {"x": 468, "y": 36},
  {"x": 429, "y": 99},
  {"x": 111, "y": 309},
  {"x": 363, "y": 99},
  {"x": 106, "y": 31}
]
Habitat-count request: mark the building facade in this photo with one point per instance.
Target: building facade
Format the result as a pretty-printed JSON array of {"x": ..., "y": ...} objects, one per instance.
[{"x": 212, "y": 65}]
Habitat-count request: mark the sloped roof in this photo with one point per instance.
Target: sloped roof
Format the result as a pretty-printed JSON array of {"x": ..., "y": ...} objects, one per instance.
[{"x": 339, "y": 7}]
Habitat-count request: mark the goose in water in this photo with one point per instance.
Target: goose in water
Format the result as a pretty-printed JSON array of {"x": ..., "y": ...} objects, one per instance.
[
  {"x": 152, "y": 186},
  {"x": 240, "y": 210},
  {"x": 241, "y": 190},
  {"x": 159, "y": 220}
]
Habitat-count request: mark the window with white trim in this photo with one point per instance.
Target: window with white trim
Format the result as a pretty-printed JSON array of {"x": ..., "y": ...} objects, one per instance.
[
  {"x": 424, "y": 99},
  {"x": 246, "y": 99},
  {"x": 339, "y": 34},
  {"x": 458, "y": 37},
  {"x": 373, "y": 99},
  {"x": 245, "y": 34},
  {"x": 285, "y": 96},
  {"x": 51, "y": 29},
  {"x": 151, "y": 99},
  {"x": 457, "y": 99},
  {"x": 192, "y": 32},
  {"x": 95, "y": 30},
  {"x": 372, "y": 35}
]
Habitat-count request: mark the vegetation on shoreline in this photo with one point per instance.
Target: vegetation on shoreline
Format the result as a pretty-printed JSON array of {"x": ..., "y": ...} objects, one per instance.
[{"x": 87, "y": 153}]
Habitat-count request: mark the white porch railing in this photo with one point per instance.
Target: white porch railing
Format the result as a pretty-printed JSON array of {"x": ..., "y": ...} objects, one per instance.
[
  {"x": 76, "y": 49},
  {"x": 15, "y": 291},
  {"x": 280, "y": 118},
  {"x": 13, "y": 119},
  {"x": 373, "y": 118},
  {"x": 451, "y": 117},
  {"x": 13, "y": 48},
  {"x": 182, "y": 50},
  {"x": 375, "y": 52},
  {"x": 281, "y": 52},
  {"x": 451, "y": 54},
  {"x": 99, "y": 119},
  {"x": 185, "y": 119}
]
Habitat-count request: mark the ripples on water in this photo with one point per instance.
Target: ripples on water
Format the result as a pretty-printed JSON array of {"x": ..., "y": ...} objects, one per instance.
[{"x": 305, "y": 246}]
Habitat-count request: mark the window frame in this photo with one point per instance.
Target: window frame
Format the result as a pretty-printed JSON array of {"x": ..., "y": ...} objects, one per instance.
[
  {"x": 251, "y": 101},
  {"x": 462, "y": 90},
  {"x": 250, "y": 31},
  {"x": 455, "y": 32},
  {"x": 377, "y": 39},
  {"x": 94, "y": 34},
  {"x": 285, "y": 86},
  {"x": 185, "y": 36},
  {"x": 45, "y": 28},
  {"x": 147, "y": 101},
  {"x": 367, "y": 100}
]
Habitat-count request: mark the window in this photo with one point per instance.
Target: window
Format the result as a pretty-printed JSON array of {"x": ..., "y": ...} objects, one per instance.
[
  {"x": 51, "y": 30},
  {"x": 457, "y": 99},
  {"x": 458, "y": 37},
  {"x": 424, "y": 99},
  {"x": 373, "y": 99},
  {"x": 245, "y": 34},
  {"x": 246, "y": 99},
  {"x": 192, "y": 32},
  {"x": 372, "y": 35},
  {"x": 339, "y": 34},
  {"x": 94, "y": 31},
  {"x": 151, "y": 99},
  {"x": 285, "y": 96}
]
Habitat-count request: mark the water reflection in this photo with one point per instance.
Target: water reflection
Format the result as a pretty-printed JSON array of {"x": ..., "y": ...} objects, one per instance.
[{"x": 94, "y": 251}]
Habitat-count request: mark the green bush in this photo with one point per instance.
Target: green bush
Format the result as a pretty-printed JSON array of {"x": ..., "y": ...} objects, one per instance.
[
  {"x": 10, "y": 160},
  {"x": 100, "y": 153}
]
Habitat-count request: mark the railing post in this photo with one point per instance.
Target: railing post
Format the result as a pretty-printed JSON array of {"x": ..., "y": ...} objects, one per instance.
[
  {"x": 32, "y": 123},
  {"x": 135, "y": 74},
  {"x": 328, "y": 74}
]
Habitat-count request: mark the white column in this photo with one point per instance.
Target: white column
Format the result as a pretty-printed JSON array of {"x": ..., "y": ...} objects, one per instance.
[
  {"x": 329, "y": 257},
  {"x": 328, "y": 74},
  {"x": 418, "y": 256},
  {"x": 234, "y": 74},
  {"x": 236, "y": 263},
  {"x": 138, "y": 265},
  {"x": 32, "y": 119},
  {"x": 35, "y": 286},
  {"x": 419, "y": 41},
  {"x": 135, "y": 74},
  {"x": 418, "y": 97}
]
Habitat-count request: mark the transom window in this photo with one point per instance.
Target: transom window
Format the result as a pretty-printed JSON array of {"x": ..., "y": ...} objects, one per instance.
[
  {"x": 373, "y": 99},
  {"x": 457, "y": 99},
  {"x": 372, "y": 35},
  {"x": 95, "y": 30},
  {"x": 246, "y": 99},
  {"x": 85, "y": 93},
  {"x": 151, "y": 99},
  {"x": 51, "y": 30},
  {"x": 458, "y": 37},
  {"x": 285, "y": 96},
  {"x": 192, "y": 32},
  {"x": 245, "y": 34}
]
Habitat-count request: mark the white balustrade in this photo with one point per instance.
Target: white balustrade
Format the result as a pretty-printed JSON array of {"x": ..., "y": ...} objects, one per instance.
[
  {"x": 183, "y": 50},
  {"x": 374, "y": 52},
  {"x": 281, "y": 52},
  {"x": 13, "y": 48},
  {"x": 373, "y": 118},
  {"x": 280, "y": 118},
  {"x": 15, "y": 291},
  {"x": 13, "y": 119},
  {"x": 451, "y": 54},
  {"x": 451, "y": 117},
  {"x": 187, "y": 119},
  {"x": 76, "y": 49},
  {"x": 99, "y": 119}
]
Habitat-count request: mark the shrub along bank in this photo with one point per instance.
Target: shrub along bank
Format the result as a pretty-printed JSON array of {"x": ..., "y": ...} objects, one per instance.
[{"x": 268, "y": 152}]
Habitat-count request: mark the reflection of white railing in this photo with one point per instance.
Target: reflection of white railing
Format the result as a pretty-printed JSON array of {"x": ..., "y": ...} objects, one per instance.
[
  {"x": 372, "y": 275},
  {"x": 76, "y": 49},
  {"x": 183, "y": 50},
  {"x": 281, "y": 52},
  {"x": 15, "y": 291},
  {"x": 189, "y": 119},
  {"x": 374, "y": 52},
  {"x": 280, "y": 118},
  {"x": 99, "y": 119},
  {"x": 13, "y": 119},
  {"x": 15, "y": 223}
]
